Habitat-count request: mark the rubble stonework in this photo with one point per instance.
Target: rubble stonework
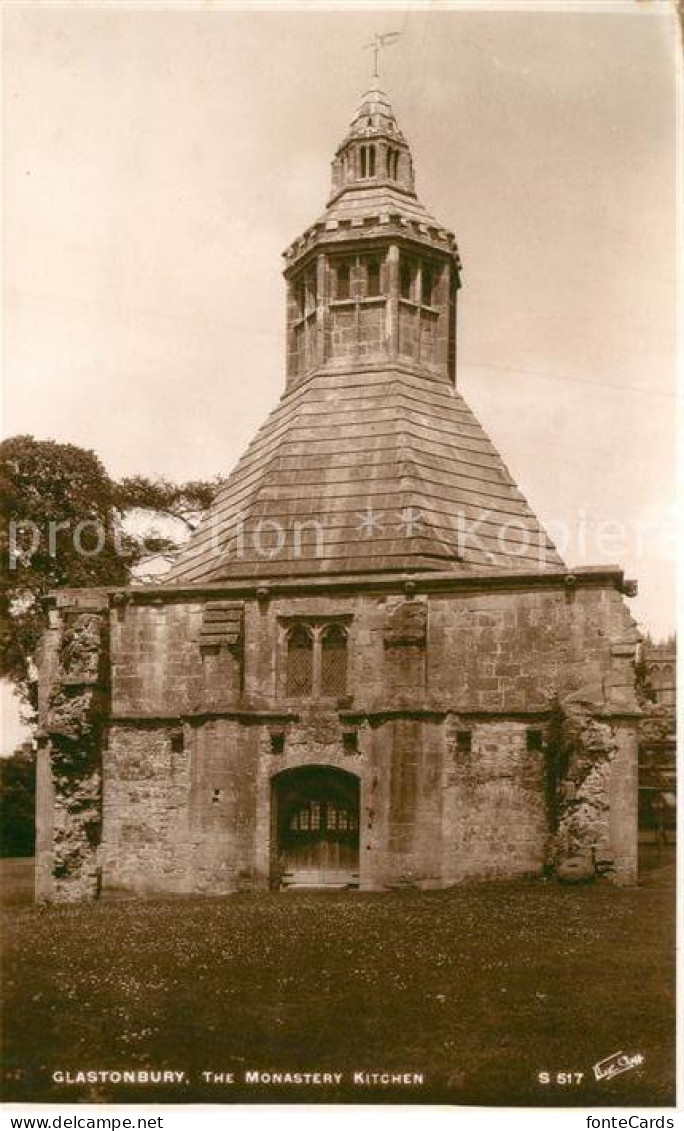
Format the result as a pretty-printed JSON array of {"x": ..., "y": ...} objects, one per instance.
[
  {"x": 581, "y": 748},
  {"x": 73, "y": 709}
]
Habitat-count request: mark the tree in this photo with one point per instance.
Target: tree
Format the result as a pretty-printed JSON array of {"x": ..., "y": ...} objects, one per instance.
[
  {"x": 61, "y": 526},
  {"x": 186, "y": 502},
  {"x": 64, "y": 524},
  {"x": 152, "y": 499},
  {"x": 17, "y": 803}
]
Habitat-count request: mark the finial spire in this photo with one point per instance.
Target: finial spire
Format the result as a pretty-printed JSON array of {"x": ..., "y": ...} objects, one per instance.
[{"x": 377, "y": 44}]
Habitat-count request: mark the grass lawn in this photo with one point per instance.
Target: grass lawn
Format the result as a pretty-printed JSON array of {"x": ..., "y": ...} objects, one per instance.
[
  {"x": 481, "y": 988},
  {"x": 16, "y": 880}
]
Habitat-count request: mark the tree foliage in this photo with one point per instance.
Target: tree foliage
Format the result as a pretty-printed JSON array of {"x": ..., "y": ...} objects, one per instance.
[
  {"x": 61, "y": 526},
  {"x": 64, "y": 524},
  {"x": 185, "y": 502},
  {"x": 17, "y": 803},
  {"x": 153, "y": 499}
]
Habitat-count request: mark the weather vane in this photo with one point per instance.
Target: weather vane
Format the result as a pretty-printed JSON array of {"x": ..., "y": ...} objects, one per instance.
[{"x": 376, "y": 45}]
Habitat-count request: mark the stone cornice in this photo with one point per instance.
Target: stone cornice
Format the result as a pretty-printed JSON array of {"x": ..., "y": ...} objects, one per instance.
[
  {"x": 376, "y": 225},
  {"x": 354, "y": 716},
  {"x": 437, "y": 581},
  {"x": 253, "y": 715}
]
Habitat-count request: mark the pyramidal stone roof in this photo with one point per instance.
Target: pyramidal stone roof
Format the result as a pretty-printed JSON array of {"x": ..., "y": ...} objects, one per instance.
[
  {"x": 376, "y": 466},
  {"x": 381, "y": 472},
  {"x": 368, "y": 200},
  {"x": 374, "y": 117}
]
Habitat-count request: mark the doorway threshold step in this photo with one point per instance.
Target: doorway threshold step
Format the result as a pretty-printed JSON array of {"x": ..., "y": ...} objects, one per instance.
[
  {"x": 317, "y": 879},
  {"x": 320, "y": 887}
]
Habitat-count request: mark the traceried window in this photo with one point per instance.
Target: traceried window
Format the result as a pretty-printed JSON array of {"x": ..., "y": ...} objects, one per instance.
[
  {"x": 299, "y": 663},
  {"x": 333, "y": 661},
  {"x": 316, "y": 661}
]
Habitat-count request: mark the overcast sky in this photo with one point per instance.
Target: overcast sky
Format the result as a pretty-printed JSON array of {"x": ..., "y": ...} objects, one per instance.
[{"x": 157, "y": 162}]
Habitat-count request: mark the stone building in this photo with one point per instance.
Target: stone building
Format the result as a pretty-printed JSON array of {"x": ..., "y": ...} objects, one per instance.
[
  {"x": 657, "y": 695},
  {"x": 660, "y": 674},
  {"x": 369, "y": 667}
]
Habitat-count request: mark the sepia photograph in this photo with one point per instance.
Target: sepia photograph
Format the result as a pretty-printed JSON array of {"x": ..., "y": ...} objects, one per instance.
[{"x": 339, "y": 568}]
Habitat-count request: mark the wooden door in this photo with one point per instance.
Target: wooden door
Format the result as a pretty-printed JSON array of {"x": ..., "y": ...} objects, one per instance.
[{"x": 318, "y": 830}]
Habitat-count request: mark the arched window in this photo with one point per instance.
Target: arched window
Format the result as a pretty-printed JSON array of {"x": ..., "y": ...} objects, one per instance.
[
  {"x": 299, "y": 670},
  {"x": 371, "y": 161},
  {"x": 334, "y": 661},
  {"x": 364, "y": 166}
]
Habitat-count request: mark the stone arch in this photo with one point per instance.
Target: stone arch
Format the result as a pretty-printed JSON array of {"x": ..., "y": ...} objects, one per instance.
[{"x": 315, "y": 824}]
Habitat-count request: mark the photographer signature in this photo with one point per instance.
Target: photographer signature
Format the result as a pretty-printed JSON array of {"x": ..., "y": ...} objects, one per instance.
[{"x": 616, "y": 1063}]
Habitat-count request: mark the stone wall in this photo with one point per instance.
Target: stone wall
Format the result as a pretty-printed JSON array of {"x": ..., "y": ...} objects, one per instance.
[
  {"x": 496, "y": 821},
  {"x": 447, "y": 723}
]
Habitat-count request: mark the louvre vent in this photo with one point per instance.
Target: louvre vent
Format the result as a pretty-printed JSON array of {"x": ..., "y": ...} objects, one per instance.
[{"x": 221, "y": 624}]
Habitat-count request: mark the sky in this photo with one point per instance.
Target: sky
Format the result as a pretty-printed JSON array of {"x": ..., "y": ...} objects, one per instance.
[{"x": 158, "y": 161}]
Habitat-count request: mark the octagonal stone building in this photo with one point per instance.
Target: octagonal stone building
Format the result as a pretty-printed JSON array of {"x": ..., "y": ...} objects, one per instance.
[{"x": 369, "y": 667}]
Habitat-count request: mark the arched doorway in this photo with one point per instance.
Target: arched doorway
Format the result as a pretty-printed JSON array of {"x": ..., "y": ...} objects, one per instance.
[{"x": 315, "y": 827}]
